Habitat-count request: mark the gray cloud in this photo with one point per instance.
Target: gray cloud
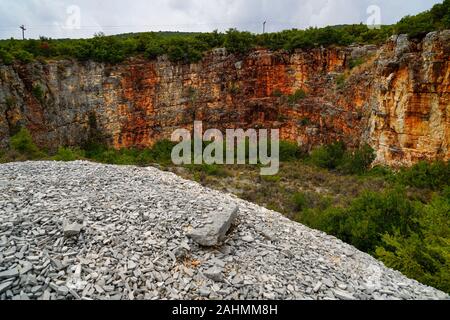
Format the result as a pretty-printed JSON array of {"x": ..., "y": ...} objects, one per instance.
[{"x": 48, "y": 17}]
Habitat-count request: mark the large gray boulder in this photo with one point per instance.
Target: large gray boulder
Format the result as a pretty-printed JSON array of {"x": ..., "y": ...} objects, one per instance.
[{"x": 213, "y": 234}]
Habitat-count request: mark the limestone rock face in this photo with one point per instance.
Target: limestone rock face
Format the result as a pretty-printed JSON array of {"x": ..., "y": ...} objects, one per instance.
[
  {"x": 411, "y": 101},
  {"x": 397, "y": 100}
]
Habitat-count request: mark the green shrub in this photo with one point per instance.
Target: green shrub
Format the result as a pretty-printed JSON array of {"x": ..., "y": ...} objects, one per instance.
[
  {"x": 144, "y": 157},
  {"x": 299, "y": 41},
  {"x": 108, "y": 156},
  {"x": 328, "y": 156},
  {"x": 298, "y": 95},
  {"x": 289, "y": 151},
  {"x": 125, "y": 159},
  {"x": 6, "y": 57},
  {"x": 208, "y": 170},
  {"x": 184, "y": 50},
  {"x": 69, "y": 154},
  {"x": 356, "y": 62},
  {"x": 424, "y": 255},
  {"x": 23, "y": 56},
  {"x": 358, "y": 161},
  {"x": 22, "y": 142},
  {"x": 214, "y": 170},
  {"x": 299, "y": 201},
  {"x": 106, "y": 49},
  {"x": 38, "y": 92},
  {"x": 425, "y": 175},
  {"x": 162, "y": 151},
  {"x": 445, "y": 193},
  {"x": 340, "y": 81},
  {"x": 238, "y": 42},
  {"x": 381, "y": 171},
  {"x": 271, "y": 179},
  {"x": 154, "y": 50},
  {"x": 335, "y": 156},
  {"x": 3, "y": 158},
  {"x": 94, "y": 150},
  {"x": 10, "y": 102},
  {"x": 367, "y": 219}
]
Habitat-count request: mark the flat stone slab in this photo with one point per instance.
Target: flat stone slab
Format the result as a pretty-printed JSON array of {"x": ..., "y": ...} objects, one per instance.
[
  {"x": 213, "y": 234},
  {"x": 5, "y": 286},
  {"x": 12, "y": 273}
]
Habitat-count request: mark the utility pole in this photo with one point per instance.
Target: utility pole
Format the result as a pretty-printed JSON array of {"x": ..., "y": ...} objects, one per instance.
[
  {"x": 264, "y": 27},
  {"x": 23, "y": 31}
]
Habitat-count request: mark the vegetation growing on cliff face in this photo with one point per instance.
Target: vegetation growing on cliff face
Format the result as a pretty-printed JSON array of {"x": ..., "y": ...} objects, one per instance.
[
  {"x": 190, "y": 47},
  {"x": 22, "y": 147}
]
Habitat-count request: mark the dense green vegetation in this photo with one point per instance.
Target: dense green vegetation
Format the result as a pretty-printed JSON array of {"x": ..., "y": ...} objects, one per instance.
[
  {"x": 335, "y": 157},
  {"x": 417, "y": 26},
  {"x": 296, "y": 97},
  {"x": 22, "y": 148},
  {"x": 406, "y": 234},
  {"x": 190, "y": 47}
]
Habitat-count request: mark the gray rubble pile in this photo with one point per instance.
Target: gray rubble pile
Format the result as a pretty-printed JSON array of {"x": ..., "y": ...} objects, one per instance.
[{"x": 88, "y": 231}]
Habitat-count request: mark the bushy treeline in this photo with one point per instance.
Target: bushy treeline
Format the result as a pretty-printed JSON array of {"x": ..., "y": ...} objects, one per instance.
[
  {"x": 186, "y": 48},
  {"x": 438, "y": 18},
  {"x": 190, "y": 47},
  {"x": 22, "y": 148}
]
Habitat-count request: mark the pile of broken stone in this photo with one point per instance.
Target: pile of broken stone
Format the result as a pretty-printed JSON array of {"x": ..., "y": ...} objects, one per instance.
[{"x": 88, "y": 231}]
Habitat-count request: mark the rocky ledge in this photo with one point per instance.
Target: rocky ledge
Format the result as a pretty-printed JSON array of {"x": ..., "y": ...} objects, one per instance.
[{"x": 88, "y": 231}]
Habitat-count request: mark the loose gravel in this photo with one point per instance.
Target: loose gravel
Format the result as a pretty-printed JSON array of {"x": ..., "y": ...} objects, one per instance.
[{"x": 82, "y": 230}]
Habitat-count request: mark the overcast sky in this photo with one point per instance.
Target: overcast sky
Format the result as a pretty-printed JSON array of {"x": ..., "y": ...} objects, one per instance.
[{"x": 83, "y": 18}]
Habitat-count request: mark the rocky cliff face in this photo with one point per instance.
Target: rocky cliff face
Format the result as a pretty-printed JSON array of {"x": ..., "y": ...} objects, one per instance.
[
  {"x": 397, "y": 100},
  {"x": 409, "y": 120}
]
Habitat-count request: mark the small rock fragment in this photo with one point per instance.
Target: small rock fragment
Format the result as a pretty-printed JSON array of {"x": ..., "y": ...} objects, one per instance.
[
  {"x": 342, "y": 295},
  {"x": 215, "y": 274},
  {"x": 317, "y": 287},
  {"x": 21, "y": 297},
  {"x": 72, "y": 230},
  {"x": 131, "y": 265}
]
